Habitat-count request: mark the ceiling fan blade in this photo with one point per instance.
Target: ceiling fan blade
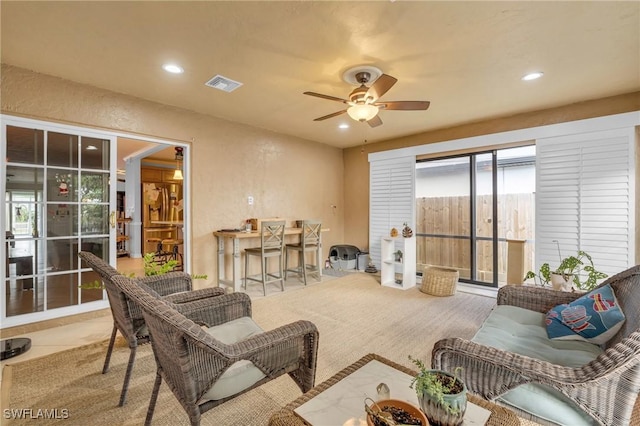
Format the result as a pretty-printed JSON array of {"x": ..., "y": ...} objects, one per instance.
[
  {"x": 335, "y": 114},
  {"x": 331, "y": 98},
  {"x": 404, "y": 105},
  {"x": 381, "y": 86},
  {"x": 375, "y": 121}
]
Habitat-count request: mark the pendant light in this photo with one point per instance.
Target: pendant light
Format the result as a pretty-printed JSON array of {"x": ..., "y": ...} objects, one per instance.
[{"x": 177, "y": 174}]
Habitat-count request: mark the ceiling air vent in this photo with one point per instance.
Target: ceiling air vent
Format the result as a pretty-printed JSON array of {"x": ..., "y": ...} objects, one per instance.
[{"x": 223, "y": 83}]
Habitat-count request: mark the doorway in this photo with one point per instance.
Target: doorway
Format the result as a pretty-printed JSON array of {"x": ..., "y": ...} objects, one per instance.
[{"x": 152, "y": 203}]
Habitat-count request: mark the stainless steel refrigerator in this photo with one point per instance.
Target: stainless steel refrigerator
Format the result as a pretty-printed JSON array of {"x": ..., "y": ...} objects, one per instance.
[{"x": 161, "y": 202}]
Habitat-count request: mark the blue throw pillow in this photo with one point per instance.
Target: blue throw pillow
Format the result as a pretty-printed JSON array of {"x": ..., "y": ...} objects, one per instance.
[{"x": 595, "y": 317}]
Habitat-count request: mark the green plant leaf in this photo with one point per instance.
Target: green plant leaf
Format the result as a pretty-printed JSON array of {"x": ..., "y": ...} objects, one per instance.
[
  {"x": 575, "y": 267},
  {"x": 545, "y": 273},
  {"x": 199, "y": 277},
  {"x": 93, "y": 285}
]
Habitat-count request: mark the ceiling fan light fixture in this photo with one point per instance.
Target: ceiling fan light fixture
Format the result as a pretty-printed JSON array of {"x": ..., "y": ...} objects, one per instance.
[{"x": 362, "y": 112}]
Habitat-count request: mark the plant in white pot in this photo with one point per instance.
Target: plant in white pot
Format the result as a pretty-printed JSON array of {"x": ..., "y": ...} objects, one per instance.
[
  {"x": 566, "y": 276},
  {"x": 442, "y": 396}
]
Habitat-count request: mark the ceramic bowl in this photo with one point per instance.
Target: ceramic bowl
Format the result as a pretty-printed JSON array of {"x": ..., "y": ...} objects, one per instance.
[{"x": 409, "y": 408}]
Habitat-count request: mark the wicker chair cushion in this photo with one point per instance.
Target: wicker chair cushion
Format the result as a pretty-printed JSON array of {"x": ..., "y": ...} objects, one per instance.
[
  {"x": 241, "y": 374},
  {"x": 595, "y": 317},
  {"x": 235, "y": 331},
  {"x": 522, "y": 331}
]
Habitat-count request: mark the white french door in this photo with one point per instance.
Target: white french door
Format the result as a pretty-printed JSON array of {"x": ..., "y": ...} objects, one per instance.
[{"x": 60, "y": 198}]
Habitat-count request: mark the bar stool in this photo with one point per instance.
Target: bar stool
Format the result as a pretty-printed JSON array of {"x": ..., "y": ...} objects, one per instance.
[
  {"x": 309, "y": 242},
  {"x": 157, "y": 243},
  {"x": 160, "y": 256},
  {"x": 271, "y": 245},
  {"x": 173, "y": 251}
]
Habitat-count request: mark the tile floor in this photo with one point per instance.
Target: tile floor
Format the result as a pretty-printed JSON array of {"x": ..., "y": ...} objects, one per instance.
[{"x": 60, "y": 338}]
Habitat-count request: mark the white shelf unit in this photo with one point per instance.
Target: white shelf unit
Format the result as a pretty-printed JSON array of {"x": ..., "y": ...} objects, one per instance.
[{"x": 391, "y": 269}]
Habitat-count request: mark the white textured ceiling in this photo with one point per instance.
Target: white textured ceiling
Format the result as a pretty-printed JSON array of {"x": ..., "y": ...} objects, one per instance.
[{"x": 465, "y": 57}]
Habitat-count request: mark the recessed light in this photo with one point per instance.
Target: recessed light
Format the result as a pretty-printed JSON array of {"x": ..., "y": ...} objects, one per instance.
[
  {"x": 91, "y": 148},
  {"x": 343, "y": 126},
  {"x": 532, "y": 76},
  {"x": 173, "y": 68}
]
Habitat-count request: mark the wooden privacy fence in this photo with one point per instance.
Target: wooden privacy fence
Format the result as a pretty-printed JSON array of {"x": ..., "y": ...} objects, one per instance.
[{"x": 447, "y": 223}]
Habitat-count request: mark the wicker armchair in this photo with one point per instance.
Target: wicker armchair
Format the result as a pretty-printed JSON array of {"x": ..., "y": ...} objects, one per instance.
[
  {"x": 605, "y": 388},
  {"x": 127, "y": 318},
  {"x": 195, "y": 361}
]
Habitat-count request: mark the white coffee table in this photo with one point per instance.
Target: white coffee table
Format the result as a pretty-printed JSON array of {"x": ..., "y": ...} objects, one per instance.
[{"x": 343, "y": 403}]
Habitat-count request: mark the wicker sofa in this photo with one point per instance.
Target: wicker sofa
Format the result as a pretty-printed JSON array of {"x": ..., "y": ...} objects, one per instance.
[{"x": 512, "y": 362}]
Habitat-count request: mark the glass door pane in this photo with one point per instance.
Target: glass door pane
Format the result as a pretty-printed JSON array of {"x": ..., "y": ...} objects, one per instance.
[
  {"x": 443, "y": 232},
  {"x": 25, "y": 145},
  {"x": 94, "y": 153},
  {"x": 516, "y": 210},
  {"x": 484, "y": 218},
  {"x": 62, "y": 150}
]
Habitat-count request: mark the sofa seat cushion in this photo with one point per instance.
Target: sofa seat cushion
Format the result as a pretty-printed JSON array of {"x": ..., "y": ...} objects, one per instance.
[
  {"x": 242, "y": 374},
  {"x": 524, "y": 332}
]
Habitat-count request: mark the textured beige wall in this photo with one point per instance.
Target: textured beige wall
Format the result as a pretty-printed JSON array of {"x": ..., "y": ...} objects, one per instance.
[
  {"x": 288, "y": 177},
  {"x": 356, "y": 164}
]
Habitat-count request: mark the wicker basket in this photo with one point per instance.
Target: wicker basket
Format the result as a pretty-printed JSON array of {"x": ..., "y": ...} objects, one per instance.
[{"x": 439, "y": 281}]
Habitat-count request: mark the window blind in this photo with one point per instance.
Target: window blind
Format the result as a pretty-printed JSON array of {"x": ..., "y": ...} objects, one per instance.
[
  {"x": 391, "y": 198},
  {"x": 585, "y": 198}
]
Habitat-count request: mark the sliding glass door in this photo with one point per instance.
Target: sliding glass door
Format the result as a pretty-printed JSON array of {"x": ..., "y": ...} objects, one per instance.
[
  {"x": 58, "y": 198},
  {"x": 469, "y": 206}
]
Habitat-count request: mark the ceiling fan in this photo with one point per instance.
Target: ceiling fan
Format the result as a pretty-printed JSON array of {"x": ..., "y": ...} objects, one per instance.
[{"x": 363, "y": 102}]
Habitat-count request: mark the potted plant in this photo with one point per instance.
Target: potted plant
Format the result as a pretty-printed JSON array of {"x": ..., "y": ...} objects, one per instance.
[
  {"x": 398, "y": 256},
  {"x": 442, "y": 396},
  {"x": 567, "y": 275}
]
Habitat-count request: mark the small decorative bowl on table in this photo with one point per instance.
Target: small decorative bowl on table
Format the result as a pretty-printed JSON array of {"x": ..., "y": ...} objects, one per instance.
[{"x": 402, "y": 412}]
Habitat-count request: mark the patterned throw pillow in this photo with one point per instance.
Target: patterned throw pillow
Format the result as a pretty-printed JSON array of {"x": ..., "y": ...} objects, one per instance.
[{"x": 595, "y": 317}]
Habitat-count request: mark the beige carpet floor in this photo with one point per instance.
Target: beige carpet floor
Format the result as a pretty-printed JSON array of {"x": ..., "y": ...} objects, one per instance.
[{"x": 354, "y": 315}]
